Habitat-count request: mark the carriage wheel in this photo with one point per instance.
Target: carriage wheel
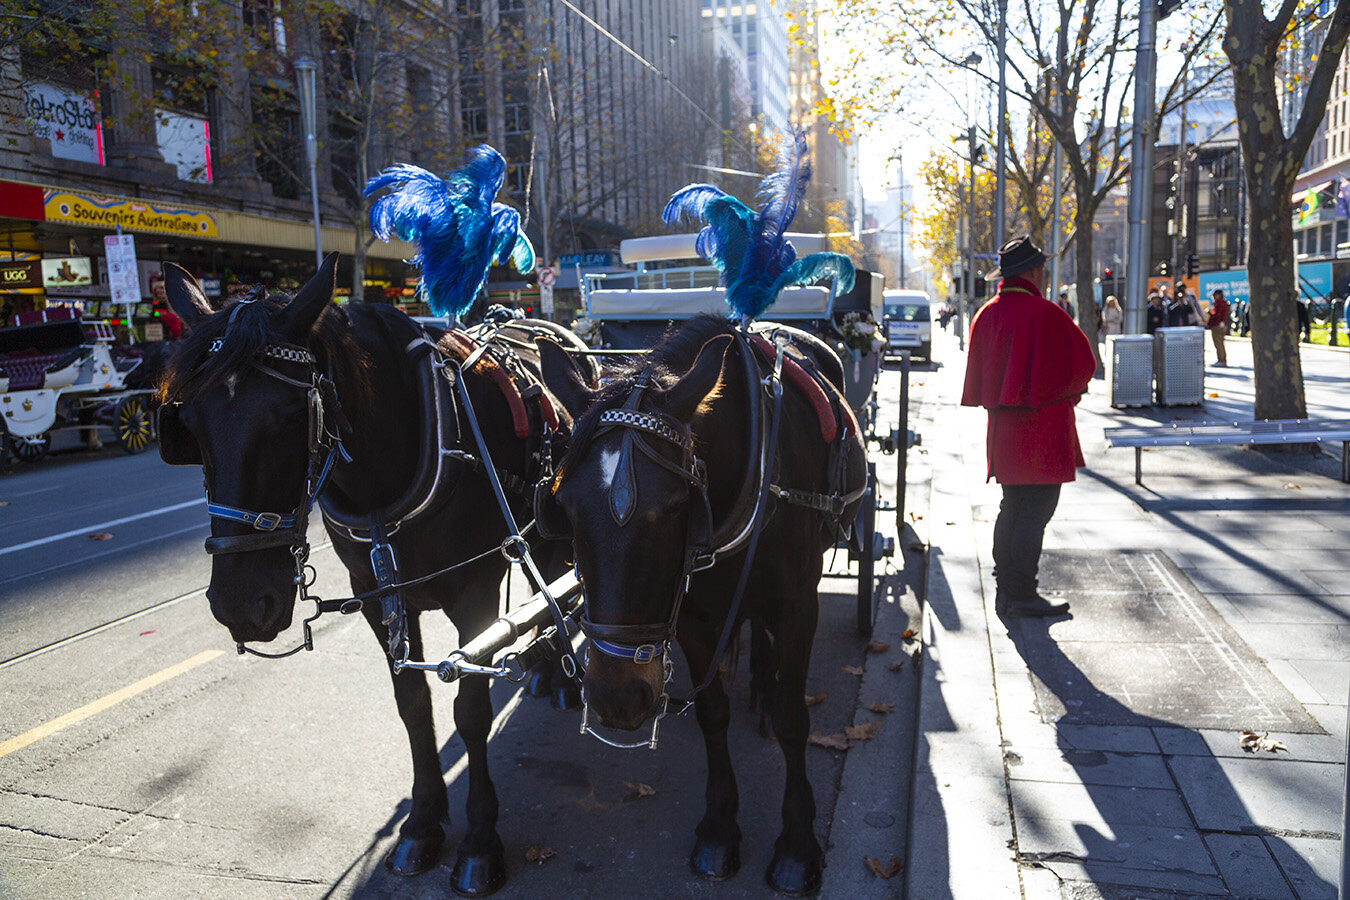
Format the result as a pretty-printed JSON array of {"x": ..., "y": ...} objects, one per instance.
[
  {"x": 131, "y": 424},
  {"x": 30, "y": 449},
  {"x": 865, "y": 529}
]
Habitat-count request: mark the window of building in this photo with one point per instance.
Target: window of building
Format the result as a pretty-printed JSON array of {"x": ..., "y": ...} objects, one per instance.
[
  {"x": 1328, "y": 249},
  {"x": 279, "y": 145},
  {"x": 473, "y": 107},
  {"x": 1342, "y": 231},
  {"x": 183, "y": 102}
]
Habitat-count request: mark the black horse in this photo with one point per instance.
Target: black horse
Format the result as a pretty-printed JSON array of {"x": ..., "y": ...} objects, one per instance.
[
  {"x": 261, "y": 393},
  {"x": 664, "y": 474}
]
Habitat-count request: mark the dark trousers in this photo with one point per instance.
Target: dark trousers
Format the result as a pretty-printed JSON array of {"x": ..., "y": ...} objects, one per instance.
[{"x": 1019, "y": 532}]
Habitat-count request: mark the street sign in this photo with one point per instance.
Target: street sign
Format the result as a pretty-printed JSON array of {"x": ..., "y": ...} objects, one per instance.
[
  {"x": 593, "y": 259},
  {"x": 124, "y": 283},
  {"x": 547, "y": 276}
]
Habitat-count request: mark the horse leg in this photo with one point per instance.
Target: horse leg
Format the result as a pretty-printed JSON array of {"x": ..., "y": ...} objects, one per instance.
[
  {"x": 763, "y": 671},
  {"x": 547, "y": 678},
  {"x": 480, "y": 867},
  {"x": 797, "y": 857},
  {"x": 717, "y": 839},
  {"x": 422, "y": 834}
]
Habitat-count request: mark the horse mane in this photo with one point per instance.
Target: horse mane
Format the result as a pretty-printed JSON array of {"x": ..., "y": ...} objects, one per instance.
[
  {"x": 244, "y": 329},
  {"x": 665, "y": 363}
]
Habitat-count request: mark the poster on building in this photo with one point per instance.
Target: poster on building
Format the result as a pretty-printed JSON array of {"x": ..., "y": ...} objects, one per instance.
[
  {"x": 124, "y": 285},
  {"x": 185, "y": 144},
  {"x": 69, "y": 119},
  {"x": 66, "y": 272}
]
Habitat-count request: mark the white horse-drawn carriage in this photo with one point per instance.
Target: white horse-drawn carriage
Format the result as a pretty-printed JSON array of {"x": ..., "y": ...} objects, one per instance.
[{"x": 59, "y": 372}]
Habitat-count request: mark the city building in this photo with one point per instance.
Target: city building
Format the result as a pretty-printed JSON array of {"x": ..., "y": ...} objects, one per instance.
[{"x": 760, "y": 29}]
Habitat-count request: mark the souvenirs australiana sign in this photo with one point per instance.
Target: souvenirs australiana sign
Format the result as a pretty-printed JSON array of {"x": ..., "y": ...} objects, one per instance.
[{"x": 133, "y": 215}]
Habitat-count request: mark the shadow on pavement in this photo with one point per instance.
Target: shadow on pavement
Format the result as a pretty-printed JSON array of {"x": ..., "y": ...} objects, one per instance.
[{"x": 1151, "y": 837}]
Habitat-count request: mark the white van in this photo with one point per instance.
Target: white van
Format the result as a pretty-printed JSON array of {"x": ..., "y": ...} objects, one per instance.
[{"x": 908, "y": 320}]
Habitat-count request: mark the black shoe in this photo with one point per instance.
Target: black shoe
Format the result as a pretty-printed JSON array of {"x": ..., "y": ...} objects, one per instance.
[{"x": 1036, "y": 608}]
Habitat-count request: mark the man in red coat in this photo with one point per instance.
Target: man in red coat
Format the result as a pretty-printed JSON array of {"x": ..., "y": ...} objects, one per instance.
[{"x": 1027, "y": 364}]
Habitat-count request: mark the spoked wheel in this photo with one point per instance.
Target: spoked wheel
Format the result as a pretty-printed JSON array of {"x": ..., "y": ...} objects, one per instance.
[
  {"x": 131, "y": 424},
  {"x": 864, "y": 530},
  {"x": 30, "y": 449}
]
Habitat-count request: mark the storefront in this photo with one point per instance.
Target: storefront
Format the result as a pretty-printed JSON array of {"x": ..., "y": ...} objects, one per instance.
[{"x": 64, "y": 231}]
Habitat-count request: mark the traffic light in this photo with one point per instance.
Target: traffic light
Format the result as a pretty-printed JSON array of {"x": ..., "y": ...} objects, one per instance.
[
  {"x": 1165, "y": 269},
  {"x": 1167, "y": 7},
  {"x": 1192, "y": 265},
  {"x": 1106, "y": 275}
]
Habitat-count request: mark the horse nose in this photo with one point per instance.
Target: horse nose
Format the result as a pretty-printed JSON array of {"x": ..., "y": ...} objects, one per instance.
[{"x": 625, "y": 705}]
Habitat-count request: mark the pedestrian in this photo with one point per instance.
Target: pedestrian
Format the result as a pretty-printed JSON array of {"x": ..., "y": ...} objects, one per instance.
[
  {"x": 1064, "y": 303},
  {"x": 1113, "y": 317},
  {"x": 1217, "y": 323},
  {"x": 1304, "y": 321},
  {"x": 1155, "y": 315},
  {"x": 1179, "y": 312},
  {"x": 1028, "y": 364},
  {"x": 1197, "y": 314}
]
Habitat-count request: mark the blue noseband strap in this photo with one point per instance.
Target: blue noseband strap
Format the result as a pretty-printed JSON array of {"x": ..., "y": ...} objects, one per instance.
[
  {"x": 263, "y": 521},
  {"x": 642, "y": 653}
]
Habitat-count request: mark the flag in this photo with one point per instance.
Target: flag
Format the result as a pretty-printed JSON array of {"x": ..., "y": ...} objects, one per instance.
[
  {"x": 1343, "y": 199},
  {"x": 1311, "y": 203}
]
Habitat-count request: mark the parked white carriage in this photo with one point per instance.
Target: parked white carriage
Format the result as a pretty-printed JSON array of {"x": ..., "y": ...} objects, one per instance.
[{"x": 61, "y": 373}]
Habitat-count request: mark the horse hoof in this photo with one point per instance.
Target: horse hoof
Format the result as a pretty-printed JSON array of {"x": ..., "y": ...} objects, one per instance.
[
  {"x": 794, "y": 877},
  {"x": 478, "y": 876},
  {"x": 413, "y": 856},
  {"x": 566, "y": 698},
  {"x": 715, "y": 862},
  {"x": 539, "y": 683}
]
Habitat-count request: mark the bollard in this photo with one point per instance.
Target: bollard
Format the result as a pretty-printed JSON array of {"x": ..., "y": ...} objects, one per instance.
[{"x": 903, "y": 448}]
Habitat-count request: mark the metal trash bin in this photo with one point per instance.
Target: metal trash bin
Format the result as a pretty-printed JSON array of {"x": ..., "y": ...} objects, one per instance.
[
  {"x": 1129, "y": 369},
  {"x": 1179, "y": 366}
]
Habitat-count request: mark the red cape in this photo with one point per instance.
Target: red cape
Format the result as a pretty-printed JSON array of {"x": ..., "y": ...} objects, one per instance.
[{"x": 1028, "y": 363}]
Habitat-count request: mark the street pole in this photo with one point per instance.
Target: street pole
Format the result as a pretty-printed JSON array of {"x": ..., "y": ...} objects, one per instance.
[
  {"x": 1054, "y": 209},
  {"x": 1002, "y": 152},
  {"x": 900, "y": 159},
  {"x": 305, "y": 71},
  {"x": 1179, "y": 210},
  {"x": 970, "y": 237},
  {"x": 1141, "y": 170}
]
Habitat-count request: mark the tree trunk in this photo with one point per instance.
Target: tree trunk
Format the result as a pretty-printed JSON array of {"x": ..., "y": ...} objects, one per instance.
[
  {"x": 1276, "y": 367},
  {"x": 1082, "y": 256}
]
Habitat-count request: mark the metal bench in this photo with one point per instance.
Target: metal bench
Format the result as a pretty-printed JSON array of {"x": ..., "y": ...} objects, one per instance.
[{"x": 1210, "y": 434}]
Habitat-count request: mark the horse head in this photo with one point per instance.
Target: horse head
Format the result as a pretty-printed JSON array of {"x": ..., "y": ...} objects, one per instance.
[
  {"x": 241, "y": 399},
  {"x": 633, "y": 496}
]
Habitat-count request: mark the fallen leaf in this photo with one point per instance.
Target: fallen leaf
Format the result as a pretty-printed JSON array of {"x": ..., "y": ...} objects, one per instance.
[
  {"x": 876, "y": 647},
  {"x": 1293, "y": 486},
  {"x": 4, "y": 503},
  {"x": 864, "y": 731},
  {"x": 896, "y": 666},
  {"x": 642, "y": 790},
  {"x": 1253, "y": 742},
  {"x": 539, "y": 855},
  {"x": 816, "y": 700},
  {"x": 908, "y": 634},
  {"x": 851, "y": 670},
  {"x": 144, "y": 633},
  {"x": 879, "y": 707},
  {"x": 888, "y": 869},
  {"x": 835, "y": 741},
  {"x": 101, "y": 536}
]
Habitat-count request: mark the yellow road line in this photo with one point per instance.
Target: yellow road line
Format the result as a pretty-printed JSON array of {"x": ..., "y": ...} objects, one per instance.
[{"x": 98, "y": 706}]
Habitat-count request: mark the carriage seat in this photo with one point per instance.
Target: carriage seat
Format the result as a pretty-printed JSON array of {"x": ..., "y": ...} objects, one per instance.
[
  {"x": 28, "y": 369},
  {"x": 51, "y": 314}
]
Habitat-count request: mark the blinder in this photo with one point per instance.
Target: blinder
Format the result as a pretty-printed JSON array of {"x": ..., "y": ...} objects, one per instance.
[
  {"x": 549, "y": 519},
  {"x": 177, "y": 445}
]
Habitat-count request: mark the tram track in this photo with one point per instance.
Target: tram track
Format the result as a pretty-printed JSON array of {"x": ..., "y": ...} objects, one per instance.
[{"x": 119, "y": 620}]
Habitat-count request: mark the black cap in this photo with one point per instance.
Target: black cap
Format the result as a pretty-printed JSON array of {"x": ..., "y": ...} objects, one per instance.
[{"x": 1017, "y": 256}]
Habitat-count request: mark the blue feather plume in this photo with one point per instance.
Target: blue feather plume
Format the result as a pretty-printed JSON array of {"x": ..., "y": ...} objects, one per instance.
[
  {"x": 458, "y": 230},
  {"x": 749, "y": 248}
]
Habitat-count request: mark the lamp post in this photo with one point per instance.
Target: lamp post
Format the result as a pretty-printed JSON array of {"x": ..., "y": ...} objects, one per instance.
[
  {"x": 968, "y": 298},
  {"x": 305, "y": 72}
]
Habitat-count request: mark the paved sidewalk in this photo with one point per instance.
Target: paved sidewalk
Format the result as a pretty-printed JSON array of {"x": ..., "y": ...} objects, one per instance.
[{"x": 1099, "y": 755}]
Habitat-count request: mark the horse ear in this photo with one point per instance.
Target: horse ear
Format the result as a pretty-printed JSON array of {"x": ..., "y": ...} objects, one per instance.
[
  {"x": 185, "y": 295},
  {"x": 686, "y": 395},
  {"x": 310, "y": 301},
  {"x": 562, "y": 377}
]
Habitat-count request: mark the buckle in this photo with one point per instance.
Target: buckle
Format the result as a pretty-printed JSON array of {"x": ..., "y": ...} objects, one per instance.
[
  {"x": 267, "y": 521},
  {"x": 644, "y": 653}
]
